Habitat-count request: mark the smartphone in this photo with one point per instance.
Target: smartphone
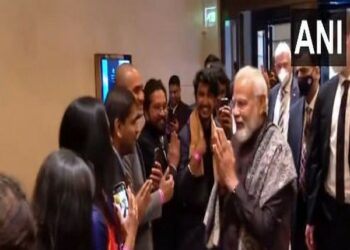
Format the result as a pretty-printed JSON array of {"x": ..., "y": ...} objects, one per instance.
[
  {"x": 224, "y": 101},
  {"x": 120, "y": 198},
  {"x": 159, "y": 156},
  {"x": 171, "y": 116}
]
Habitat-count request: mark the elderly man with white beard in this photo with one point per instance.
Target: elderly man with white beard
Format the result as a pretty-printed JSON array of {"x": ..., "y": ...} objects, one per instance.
[{"x": 250, "y": 204}]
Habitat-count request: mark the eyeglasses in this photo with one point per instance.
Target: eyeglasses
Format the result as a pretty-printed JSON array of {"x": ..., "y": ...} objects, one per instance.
[{"x": 161, "y": 109}]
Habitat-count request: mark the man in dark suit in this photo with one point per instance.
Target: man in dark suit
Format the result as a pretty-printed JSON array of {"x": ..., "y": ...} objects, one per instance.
[
  {"x": 298, "y": 139},
  {"x": 195, "y": 175},
  {"x": 133, "y": 164},
  {"x": 153, "y": 136},
  {"x": 328, "y": 166},
  {"x": 286, "y": 92},
  {"x": 178, "y": 111}
]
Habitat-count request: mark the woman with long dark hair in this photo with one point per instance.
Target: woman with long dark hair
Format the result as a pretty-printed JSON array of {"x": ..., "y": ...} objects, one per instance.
[
  {"x": 62, "y": 202},
  {"x": 85, "y": 130},
  {"x": 17, "y": 224}
]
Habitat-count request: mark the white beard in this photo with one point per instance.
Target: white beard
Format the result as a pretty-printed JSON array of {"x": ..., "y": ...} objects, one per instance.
[{"x": 245, "y": 133}]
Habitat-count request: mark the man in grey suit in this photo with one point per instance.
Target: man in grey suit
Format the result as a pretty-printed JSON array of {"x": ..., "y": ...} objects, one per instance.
[
  {"x": 286, "y": 92},
  {"x": 149, "y": 209}
]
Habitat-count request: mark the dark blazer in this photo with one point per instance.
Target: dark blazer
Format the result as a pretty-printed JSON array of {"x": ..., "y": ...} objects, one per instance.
[
  {"x": 192, "y": 196},
  {"x": 182, "y": 113},
  {"x": 319, "y": 151},
  {"x": 164, "y": 235},
  {"x": 295, "y": 94},
  {"x": 295, "y": 132},
  {"x": 295, "y": 140}
]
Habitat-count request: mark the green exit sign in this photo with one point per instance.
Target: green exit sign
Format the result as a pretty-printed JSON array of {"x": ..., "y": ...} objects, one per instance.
[{"x": 210, "y": 16}]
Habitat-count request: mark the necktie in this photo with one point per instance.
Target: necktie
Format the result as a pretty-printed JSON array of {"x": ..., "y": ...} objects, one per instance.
[
  {"x": 283, "y": 108},
  {"x": 305, "y": 142},
  {"x": 340, "y": 144}
]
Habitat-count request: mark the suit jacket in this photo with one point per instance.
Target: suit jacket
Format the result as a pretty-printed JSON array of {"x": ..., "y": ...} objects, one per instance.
[
  {"x": 295, "y": 140},
  {"x": 192, "y": 196},
  {"x": 148, "y": 140},
  {"x": 182, "y": 113},
  {"x": 295, "y": 94},
  {"x": 134, "y": 163},
  {"x": 319, "y": 151},
  {"x": 295, "y": 133},
  {"x": 164, "y": 227}
]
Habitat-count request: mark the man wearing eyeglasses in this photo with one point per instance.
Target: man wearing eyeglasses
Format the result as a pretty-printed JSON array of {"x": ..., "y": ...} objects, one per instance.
[{"x": 160, "y": 157}]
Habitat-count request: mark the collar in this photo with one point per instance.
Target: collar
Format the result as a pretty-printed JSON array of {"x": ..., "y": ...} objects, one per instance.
[
  {"x": 117, "y": 154},
  {"x": 173, "y": 109},
  {"x": 342, "y": 78},
  {"x": 152, "y": 130},
  {"x": 288, "y": 86},
  {"x": 313, "y": 101}
]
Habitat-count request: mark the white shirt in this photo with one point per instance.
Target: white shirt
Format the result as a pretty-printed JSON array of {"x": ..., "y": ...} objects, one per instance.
[
  {"x": 278, "y": 107},
  {"x": 330, "y": 184}
]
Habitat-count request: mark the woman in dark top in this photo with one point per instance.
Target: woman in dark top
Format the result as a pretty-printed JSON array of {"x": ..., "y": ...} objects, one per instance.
[
  {"x": 85, "y": 130},
  {"x": 62, "y": 202}
]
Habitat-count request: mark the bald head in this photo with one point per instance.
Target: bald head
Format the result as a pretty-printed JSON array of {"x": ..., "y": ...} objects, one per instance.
[{"x": 129, "y": 77}]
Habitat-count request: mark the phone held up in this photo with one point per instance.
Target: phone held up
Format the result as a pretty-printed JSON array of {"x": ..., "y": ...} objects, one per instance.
[
  {"x": 224, "y": 101},
  {"x": 120, "y": 198}
]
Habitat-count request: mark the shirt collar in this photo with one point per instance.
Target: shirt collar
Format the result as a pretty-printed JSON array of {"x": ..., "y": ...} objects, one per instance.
[
  {"x": 313, "y": 101},
  {"x": 287, "y": 88},
  {"x": 342, "y": 78}
]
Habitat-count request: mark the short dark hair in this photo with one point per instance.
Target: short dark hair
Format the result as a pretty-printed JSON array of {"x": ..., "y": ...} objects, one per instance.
[
  {"x": 151, "y": 86},
  {"x": 118, "y": 105},
  {"x": 174, "y": 80},
  {"x": 206, "y": 76},
  {"x": 223, "y": 79},
  {"x": 17, "y": 224},
  {"x": 211, "y": 59},
  {"x": 62, "y": 202}
]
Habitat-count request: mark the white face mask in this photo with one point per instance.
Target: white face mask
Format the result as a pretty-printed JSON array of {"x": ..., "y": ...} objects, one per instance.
[{"x": 283, "y": 76}]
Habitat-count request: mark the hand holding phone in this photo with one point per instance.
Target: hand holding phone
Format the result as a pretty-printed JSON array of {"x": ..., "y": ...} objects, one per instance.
[
  {"x": 167, "y": 185},
  {"x": 143, "y": 198},
  {"x": 224, "y": 101},
  {"x": 156, "y": 175},
  {"x": 120, "y": 198},
  {"x": 160, "y": 157},
  {"x": 225, "y": 117}
]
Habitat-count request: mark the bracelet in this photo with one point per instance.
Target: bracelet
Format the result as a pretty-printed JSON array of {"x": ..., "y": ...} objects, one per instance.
[
  {"x": 125, "y": 248},
  {"x": 197, "y": 156},
  {"x": 161, "y": 196}
]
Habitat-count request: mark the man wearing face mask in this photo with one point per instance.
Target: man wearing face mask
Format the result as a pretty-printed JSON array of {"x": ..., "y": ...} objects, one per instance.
[
  {"x": 286, "y": 92},
  {"x": 298, "y": 139},
  {"x": 328, "y": 164}
]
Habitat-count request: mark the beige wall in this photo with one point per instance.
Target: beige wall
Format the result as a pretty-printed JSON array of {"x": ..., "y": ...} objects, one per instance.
[{"x": 46, "y": 60}]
